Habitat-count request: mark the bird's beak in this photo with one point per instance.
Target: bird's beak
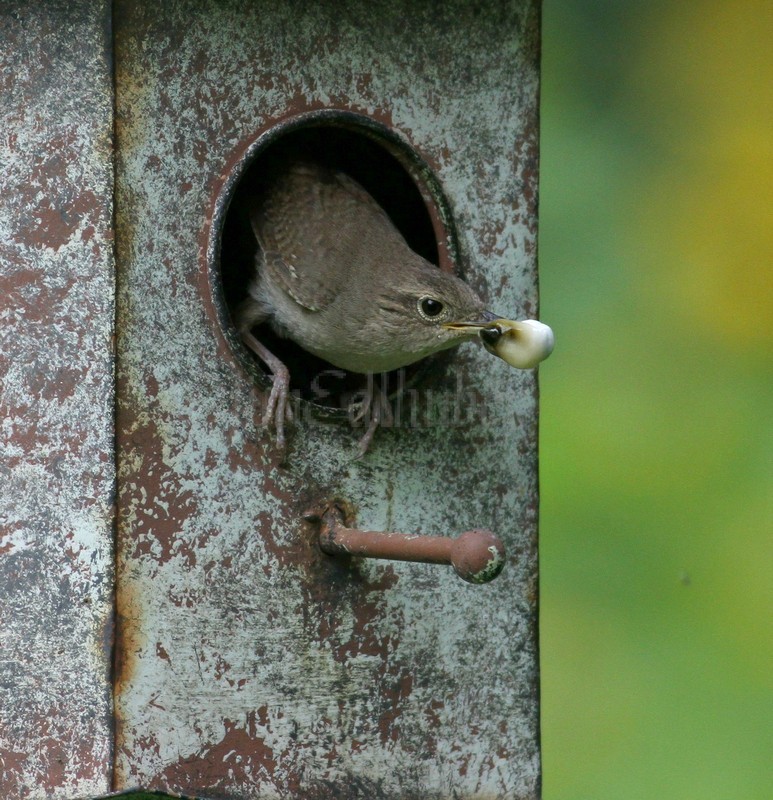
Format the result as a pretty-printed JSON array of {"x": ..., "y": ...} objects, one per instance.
[
  {"x": 472, "y": 327},
  {"x": 522, "y": 344}
]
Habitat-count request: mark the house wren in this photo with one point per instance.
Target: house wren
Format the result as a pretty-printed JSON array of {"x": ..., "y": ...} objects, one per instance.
[{"x": 334, "y": 275}]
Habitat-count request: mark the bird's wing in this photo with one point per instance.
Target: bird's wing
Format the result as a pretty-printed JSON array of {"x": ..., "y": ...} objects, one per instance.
[{"x": 309, "y": 227}]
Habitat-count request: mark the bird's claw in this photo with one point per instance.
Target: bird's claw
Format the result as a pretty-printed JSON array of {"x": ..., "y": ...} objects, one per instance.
[
  {"x": 375, "y": 403},
  {"x": 358, "y": 411},
  {"x": 278, "y": 410}
]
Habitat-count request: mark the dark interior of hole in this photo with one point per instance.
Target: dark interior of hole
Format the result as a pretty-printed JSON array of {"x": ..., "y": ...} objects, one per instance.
[{"x": 373, "y": 166}]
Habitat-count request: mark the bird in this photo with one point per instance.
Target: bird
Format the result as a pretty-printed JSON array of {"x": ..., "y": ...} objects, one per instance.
[{"x": 333, "y": 274}]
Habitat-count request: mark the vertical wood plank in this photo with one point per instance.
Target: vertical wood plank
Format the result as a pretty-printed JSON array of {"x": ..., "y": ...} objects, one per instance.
[
  {"x": 56, "y": 399},
  {"x": 250, "y": 664}
]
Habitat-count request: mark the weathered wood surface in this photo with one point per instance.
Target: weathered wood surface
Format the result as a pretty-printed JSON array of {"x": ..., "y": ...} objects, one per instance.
[
  {"x": 56, "y": 399},
  {"x": 251, "y": 665}
]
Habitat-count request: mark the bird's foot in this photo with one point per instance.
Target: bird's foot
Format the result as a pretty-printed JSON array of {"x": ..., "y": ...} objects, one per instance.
[
  {"x": 377, "y": 410},
  {"x": 277, "y": 411}
]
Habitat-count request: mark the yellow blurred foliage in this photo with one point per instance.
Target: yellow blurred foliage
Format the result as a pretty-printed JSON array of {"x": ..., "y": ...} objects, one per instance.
[{"x": 707, "y": 80}]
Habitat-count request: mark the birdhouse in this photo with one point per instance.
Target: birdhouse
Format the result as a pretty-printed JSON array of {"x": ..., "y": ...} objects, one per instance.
[{"x": 188, "y": 609}]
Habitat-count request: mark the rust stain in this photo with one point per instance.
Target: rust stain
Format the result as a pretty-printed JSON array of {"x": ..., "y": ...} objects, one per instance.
[
  {"x": 239, "y": 758},
  {"x": 130, "y": 640}
]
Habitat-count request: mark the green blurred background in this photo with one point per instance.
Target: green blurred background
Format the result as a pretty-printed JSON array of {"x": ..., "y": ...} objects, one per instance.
[{"x": 656, "y": 262}]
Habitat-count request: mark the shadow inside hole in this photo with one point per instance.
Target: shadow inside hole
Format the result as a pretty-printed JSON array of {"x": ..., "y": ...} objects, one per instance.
[{"x": 389, "y": 183}]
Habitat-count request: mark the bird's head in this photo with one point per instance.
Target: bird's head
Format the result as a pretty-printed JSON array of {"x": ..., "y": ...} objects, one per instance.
[
  {"x": 429, "y": 310},
  {"x": 522, "y": 344}
]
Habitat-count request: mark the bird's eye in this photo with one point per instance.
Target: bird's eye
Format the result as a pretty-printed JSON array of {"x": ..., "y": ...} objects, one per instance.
[{"x": 430, "y": 308}]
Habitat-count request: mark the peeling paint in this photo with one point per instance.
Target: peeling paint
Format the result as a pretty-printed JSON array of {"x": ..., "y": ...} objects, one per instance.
[
  {"x": 251, "y": 663},
  {"x": 56, "y": 400}
]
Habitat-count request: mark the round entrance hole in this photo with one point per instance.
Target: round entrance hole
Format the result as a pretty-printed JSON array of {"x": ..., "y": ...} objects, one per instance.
[{"x": 393, "y": 175}]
